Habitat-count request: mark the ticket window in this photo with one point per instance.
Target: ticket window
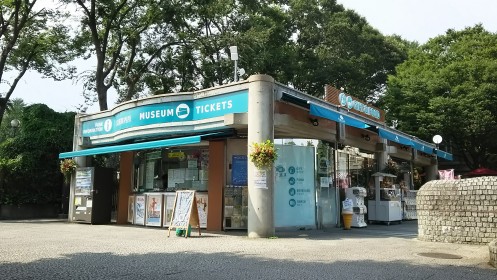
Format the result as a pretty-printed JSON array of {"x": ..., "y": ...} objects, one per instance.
[{"x": 171, "y": 169}]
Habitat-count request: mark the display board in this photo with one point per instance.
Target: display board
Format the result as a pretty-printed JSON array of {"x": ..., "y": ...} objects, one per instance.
[
  {"x": 131, "y": 208},
  {"x": 140, "y": 210},
  {"x": 185, "y": 212},
  {"x": 154, "y": 210},
  {"x": 294, "y": 194}
]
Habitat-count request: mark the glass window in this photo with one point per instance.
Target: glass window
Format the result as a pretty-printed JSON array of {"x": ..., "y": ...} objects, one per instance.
[{"x": 171, "y": 169}]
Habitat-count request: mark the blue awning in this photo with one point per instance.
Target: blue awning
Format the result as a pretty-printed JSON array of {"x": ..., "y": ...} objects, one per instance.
[
  {"x": 444, "y": 155},
  {"x": 133, "y": 147},
  {"x": 318, "y": 111},
  {"x": 422, "y": 147},
  {"x": 395, "y": 137}
]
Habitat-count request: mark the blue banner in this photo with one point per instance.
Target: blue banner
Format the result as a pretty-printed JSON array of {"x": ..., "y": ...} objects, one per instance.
[
  {"x": 176, "y": 111},
  {"x": 239, "y": 170}
]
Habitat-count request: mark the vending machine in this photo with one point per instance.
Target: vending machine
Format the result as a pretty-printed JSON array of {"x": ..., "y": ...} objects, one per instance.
[{"x": 93, "y": 195}]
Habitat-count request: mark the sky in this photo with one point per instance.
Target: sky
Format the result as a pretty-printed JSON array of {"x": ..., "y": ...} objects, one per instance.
[{"x": 414, "y": 20}]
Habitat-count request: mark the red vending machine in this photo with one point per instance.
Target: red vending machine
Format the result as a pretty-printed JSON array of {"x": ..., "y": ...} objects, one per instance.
[{"x": 93, "y": 195}]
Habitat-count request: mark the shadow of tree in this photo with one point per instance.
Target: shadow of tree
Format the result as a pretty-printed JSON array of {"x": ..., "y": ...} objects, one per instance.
[{"x": 190, "y": 265}]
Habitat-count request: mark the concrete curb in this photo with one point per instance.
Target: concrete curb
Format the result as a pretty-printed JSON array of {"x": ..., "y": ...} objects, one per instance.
[{"x": 492, "y": 247}]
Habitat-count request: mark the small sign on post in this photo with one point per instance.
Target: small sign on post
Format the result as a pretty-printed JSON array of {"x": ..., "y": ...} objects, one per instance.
[{"x": 185, "y": 212}]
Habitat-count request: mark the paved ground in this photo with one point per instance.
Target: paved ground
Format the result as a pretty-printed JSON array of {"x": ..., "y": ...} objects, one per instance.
[{"x": 44, "y": 249}]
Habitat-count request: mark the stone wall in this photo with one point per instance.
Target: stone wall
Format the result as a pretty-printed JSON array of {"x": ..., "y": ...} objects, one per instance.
[{"x": 458, "y": 211}]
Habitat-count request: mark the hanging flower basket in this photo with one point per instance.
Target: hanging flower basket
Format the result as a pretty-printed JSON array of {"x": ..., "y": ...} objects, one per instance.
[
  {"x": 67, "y": 167},
  {"x": 263, "y": 154}
]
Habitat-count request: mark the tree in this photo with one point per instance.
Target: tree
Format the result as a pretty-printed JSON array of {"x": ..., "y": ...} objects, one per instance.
[
  {"x": 448, "y": 86},
  {"x": 32, "y": 38},
  {"x": 121, "y": 34},
  {"x": 338, "y": 47}
]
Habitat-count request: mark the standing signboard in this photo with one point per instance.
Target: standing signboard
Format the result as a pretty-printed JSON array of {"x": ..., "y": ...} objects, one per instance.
[{"x": 185, "y": 212}]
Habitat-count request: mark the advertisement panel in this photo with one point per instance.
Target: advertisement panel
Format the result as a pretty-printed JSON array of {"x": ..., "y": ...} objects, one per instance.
[{"x": 294, "y": 194}]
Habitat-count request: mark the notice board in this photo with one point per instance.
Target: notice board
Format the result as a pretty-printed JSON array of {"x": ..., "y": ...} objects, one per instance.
[{"x": 185, "y": 212}]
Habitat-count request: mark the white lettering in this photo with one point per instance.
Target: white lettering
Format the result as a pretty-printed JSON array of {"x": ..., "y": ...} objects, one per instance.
[{"x": 156, "y": 114}]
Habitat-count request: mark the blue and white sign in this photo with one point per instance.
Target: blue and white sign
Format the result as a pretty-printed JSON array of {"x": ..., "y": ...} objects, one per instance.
[
  {"x": 294, "y": 195},
  {"x": 178, "y": 111},
  {"x": 239, "y": 170}
]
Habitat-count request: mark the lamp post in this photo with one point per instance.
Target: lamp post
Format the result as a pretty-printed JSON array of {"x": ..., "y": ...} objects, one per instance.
[
  {"x": 437, "y": 139},
  {"x": 234, "y": 57},
  {"x": 15, "y": 123}
]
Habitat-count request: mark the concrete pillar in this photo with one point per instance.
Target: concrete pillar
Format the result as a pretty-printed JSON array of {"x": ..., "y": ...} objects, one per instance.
[
  {"x": 260, "y": 182},
  {"x": 432, "y": 170}
]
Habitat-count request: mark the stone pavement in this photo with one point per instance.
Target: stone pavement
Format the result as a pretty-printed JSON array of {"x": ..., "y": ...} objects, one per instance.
[{"x": 55, "y": 249}]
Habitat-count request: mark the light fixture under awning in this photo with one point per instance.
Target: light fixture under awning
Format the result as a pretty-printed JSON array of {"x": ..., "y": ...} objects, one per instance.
[
  {"x": 133, "y": 147},
  {"x": 318, "y": 111}
]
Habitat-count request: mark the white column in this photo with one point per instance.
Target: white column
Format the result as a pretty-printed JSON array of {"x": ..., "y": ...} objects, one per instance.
[{"x": 260, "y": 128}]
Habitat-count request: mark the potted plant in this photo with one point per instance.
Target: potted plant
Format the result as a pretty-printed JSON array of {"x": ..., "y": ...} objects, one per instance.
[
  {"x": 263, "y": 154},
  {"x": 67, "y": 167}
]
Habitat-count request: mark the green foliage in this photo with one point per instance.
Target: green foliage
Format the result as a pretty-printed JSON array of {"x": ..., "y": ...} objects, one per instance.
[
  {"x": 171, "y": 46},
  {"x": 32, "y": 38},
  {"x": 263, "y": 154},
  {"x": 29, "y": 165},
  {"x": 448, "y": 87}
]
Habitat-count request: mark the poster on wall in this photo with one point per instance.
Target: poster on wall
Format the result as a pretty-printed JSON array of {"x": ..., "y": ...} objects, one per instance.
[
  {"x": 154, "y": 210},
  {"x": 202, "y": 208},
  {"x": 260, "y": 179},
  {"x": 140, "y": 210},
  {"x": 239, "y": 170},
  {"x": 83, "y": 181},
  {"x": 294, "y": 194},
  {"x": 168, "y": 207},
  {"x": 131, "y": 208}
]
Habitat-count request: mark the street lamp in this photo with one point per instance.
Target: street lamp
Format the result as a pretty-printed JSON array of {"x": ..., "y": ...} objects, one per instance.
[
  {"x": 234, "y": 57},
  {"x": 437, "y": 139},
  {"x": 15, "y": 123}
]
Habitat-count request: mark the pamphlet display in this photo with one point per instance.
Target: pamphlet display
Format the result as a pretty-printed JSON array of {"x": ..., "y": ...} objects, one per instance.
[{"x": 235, "y": 207}]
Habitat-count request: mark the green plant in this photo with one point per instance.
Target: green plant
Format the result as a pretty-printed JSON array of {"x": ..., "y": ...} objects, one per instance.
[
  {"x": 67, "y": 167},
  {"x": 263, "y": 154}
]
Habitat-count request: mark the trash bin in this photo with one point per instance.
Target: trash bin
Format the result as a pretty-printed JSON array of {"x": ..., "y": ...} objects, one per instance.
[{"x": 347, "y": 219}]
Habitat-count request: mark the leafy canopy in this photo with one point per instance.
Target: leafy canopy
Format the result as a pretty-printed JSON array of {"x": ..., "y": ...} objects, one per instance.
[{"x": 448, "y": 86}]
